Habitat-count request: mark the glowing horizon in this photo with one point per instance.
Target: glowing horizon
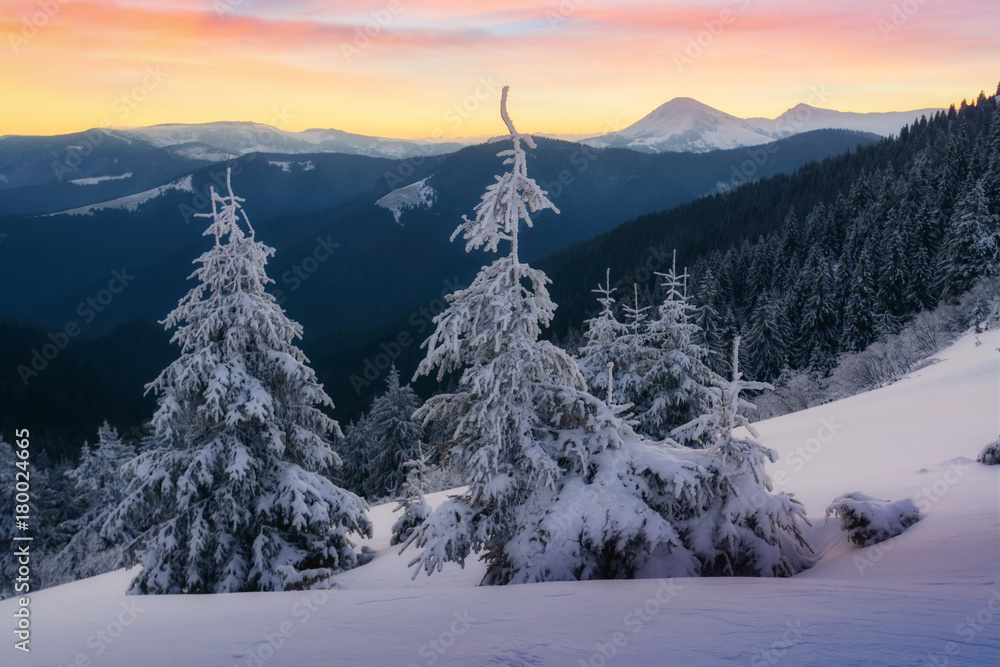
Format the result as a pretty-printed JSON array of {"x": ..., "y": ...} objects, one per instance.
[{"x": 575, "y": 67}]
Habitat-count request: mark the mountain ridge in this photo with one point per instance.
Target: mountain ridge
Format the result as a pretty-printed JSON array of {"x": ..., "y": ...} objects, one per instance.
[{"x": 684, "y": 124}]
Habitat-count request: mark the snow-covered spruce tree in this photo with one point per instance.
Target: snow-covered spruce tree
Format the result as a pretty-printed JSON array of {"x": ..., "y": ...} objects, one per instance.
[
  {"x": 49, "y": 507},
  {"x": 676, "y": 386},
  {"x": 767, "y": 338},
  {"x": 559, "y": 487},
  {"x": 818, "y": 332},
  {"x": 744, "y": 529},
  {"x": 414, "y": 506},
  {"x": 971, "y": 246},
  {"x": 8, "y": 561},
  {"x": 355, "y": 450},
  {"x": 100, "y": 483},
  {"x": 397, "y": 438},
  {"x": 230, "y": 492},
  {"x": 608, "y": 342}
]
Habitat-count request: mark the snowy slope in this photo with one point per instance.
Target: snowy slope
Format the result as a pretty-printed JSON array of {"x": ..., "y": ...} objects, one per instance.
[
  {"x": 94, "y": 180},
  {"x": 414, "y": 195},
  {"x": 686, "y": 125},
  {"x": 929, "y": 597},
  {"x": 131, "y": 202}
]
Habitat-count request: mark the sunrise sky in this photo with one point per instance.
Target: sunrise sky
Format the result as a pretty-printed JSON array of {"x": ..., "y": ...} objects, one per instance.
[{"x": 435, "y": 67}]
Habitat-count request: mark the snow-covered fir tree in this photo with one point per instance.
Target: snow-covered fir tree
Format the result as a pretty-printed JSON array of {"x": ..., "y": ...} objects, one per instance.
[
  {"x": 640, "y": 351},
  {"x": 971, "y": 246},
  {"x": 609, "y": 342},
  {"x": 54, "y": 510},
  {"x": 709, "y": 322},
  {"x": 767, "y": 338},
  {"x": 8, "y": 561},
  {"x": 99, "y": 481},
  {"x": 230, "y": 492},
  {"x": 676, "y": 385},
  {"x": 816, "y": 343},
  {"x": 397, "y": 438},
  {"x": 356, "y": 449},
  {"x": 413, "y": 504},
  {"x": 745, "y": 529},
  {"x": 559, "y": 487},
  {"x": 49, "y": 507}
]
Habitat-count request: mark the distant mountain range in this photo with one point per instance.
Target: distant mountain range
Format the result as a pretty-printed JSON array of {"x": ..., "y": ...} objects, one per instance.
[
  {"x": 685, "y": 125},
  {"x": 390, "y": 220},
  {"x": 226, "y": 140}
]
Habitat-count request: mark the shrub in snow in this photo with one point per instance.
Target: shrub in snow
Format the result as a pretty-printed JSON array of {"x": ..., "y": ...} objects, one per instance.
[
  {"x": 230, "y": 492},
  {"x": 989, "y": 455},
  {"x": 869, "y": 520}
]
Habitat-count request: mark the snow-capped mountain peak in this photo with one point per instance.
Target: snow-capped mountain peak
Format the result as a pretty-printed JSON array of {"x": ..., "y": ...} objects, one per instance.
[{"x": 686, "y": 125}]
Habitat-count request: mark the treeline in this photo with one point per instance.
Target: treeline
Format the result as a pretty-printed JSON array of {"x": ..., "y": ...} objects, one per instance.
[
  {"x": 918, "y": 225},
  {"x": 707, "y": 231}
]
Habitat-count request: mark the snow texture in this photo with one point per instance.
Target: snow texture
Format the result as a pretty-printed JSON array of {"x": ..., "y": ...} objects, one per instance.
[
  {"x": 230, "y": 492},
  {"x": 929, "y": 596}
]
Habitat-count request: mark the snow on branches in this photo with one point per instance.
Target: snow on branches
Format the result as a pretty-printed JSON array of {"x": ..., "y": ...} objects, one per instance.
[{"x": 230, "y": 492}]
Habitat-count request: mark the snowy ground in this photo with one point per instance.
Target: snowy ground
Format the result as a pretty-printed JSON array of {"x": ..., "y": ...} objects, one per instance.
[{"x": 928, "y": 597}]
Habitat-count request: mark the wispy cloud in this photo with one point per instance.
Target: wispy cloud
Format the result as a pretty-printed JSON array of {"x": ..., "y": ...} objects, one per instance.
[{"x": 394, "y": 67}]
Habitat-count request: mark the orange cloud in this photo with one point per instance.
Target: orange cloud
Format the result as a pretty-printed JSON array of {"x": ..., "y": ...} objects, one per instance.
[{"x": 397, "y": 67}]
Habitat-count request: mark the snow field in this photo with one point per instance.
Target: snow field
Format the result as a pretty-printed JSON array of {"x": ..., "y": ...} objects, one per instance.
[{"x": 927, "y": 597}]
